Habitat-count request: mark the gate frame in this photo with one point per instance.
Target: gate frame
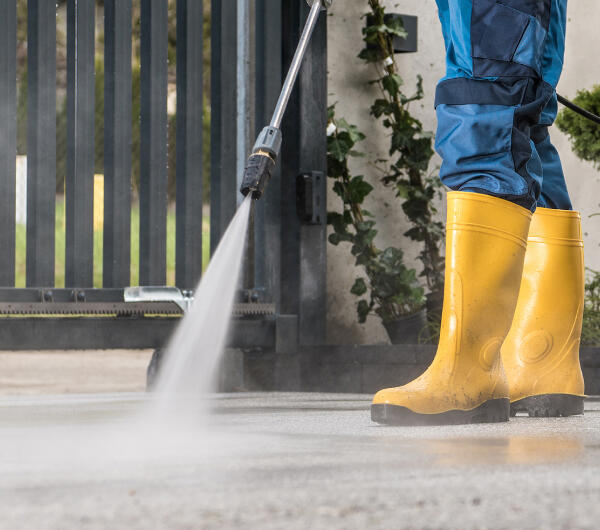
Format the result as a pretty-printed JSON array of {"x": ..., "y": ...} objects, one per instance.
[{"x": 288, "y": 256}]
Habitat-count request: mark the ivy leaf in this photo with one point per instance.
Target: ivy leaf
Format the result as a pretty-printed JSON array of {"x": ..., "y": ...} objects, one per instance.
[
  {"x": 361, "y": 260},
  {"x": 339, "y": 145},
  {"x": 358, "y": 189},
  {"x": 381, "y": 107},
  {"x": 395, "y": 26},
  {"x": 363, "y": 309},
  {"x": 330, "y": 112},
  {"x": 337, "y": 221},
  {"x": 356, "y": 154},
  {"x": 415, "y": 233},
  {"x": 359, "y": 288},
  {"x": 365, "y": 226},
  {"x": 392, "y": 83},
  {"x": 334, "y": 239},
  {"x": 370, "y": 55},
  {"x": 332, "y": 217},
  {"x": 340, "y": 190}
]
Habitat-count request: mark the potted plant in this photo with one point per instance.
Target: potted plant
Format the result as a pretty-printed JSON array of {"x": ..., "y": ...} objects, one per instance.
[
  {"x": 387, "y": 288},
  {"x": 395, "y": 295}
]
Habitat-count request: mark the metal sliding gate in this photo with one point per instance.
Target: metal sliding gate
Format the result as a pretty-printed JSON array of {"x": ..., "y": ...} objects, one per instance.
[{"x": 252, "y": 42}]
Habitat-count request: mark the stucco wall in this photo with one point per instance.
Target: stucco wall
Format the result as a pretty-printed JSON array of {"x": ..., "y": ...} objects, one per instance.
[{"x": 348, "y": 78}]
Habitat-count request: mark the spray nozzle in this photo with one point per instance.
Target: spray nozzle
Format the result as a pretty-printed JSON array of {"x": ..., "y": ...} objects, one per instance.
[
  {"x": 259, "y": 169},
  {"x": 261, "y": 162}
]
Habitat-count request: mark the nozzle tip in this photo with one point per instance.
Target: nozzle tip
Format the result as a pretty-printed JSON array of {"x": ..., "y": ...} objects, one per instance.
[{"x": 257, "y": 174}]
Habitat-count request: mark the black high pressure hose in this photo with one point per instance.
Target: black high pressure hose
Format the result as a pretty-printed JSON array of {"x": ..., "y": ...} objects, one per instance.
[{"x": 581, "y": 111}]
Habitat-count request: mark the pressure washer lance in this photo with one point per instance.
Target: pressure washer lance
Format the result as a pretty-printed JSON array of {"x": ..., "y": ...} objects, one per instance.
[{"x": 261, "y": 162}]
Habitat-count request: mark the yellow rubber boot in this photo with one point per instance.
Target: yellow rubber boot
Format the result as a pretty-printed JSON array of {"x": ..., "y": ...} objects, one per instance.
[
  {"x": 486, "y": 239},
  {"x": 541, "y": 351}
]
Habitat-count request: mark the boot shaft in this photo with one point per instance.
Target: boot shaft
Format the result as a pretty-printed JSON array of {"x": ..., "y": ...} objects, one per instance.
[
  {"x": 541, "y": 352},
  {"x": 485, "y": 247}
]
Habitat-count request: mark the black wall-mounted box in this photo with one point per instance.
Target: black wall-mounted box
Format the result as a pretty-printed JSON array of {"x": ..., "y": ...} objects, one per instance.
[{"x": 407, "y": 44}]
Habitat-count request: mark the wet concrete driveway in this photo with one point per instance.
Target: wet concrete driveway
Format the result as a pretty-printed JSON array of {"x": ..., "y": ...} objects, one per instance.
[{"x": 289, "y": 461}]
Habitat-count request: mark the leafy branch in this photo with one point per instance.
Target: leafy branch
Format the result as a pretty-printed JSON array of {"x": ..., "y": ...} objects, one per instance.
[{"x": 583, "y": 133}]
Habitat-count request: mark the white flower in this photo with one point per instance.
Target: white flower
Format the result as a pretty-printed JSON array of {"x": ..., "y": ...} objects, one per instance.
[
  {"x": 331, "y": 128},
  {"x": 388, "y": 61}
]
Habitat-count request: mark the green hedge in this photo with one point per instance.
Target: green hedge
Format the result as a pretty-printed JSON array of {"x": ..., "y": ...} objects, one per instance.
[{"x": 583, "y": 133}]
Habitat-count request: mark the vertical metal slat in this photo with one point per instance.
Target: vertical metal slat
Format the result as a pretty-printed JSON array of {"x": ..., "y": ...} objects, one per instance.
[
  {"x": 189, "y": 143},
  {"x": 290, "y": 168},
  {"x": 8, "y": 139},
  {"x": 153, "y": 143},
  {"x": 223, "y": 196},
  {"x": 79, "y": 184},
  {"x": 245, "y": 85},
  {"x": 268, "y": 210},
  {"x": 117, "y": 143},
  {"x": 41, "y": 142},
  {"x": 215, "y": 121}
]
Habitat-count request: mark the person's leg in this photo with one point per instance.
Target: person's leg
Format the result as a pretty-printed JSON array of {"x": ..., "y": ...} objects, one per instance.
[
  {"x": 492, "y": 96},
  {"x": 554, "y": 188},
  {"x": 500, "y": 77},
  {"x": 541, "y": 351}
]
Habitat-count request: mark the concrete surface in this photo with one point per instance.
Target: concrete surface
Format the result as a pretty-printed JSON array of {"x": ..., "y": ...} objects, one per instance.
[
  {"x": 348, "y": 86},
  {"x": 73, "y": 371},
  {"x": 289, "y": 461}
]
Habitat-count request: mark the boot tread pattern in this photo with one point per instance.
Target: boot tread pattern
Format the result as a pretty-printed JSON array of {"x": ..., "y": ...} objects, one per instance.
[
  {"x": 492, "y": 411},
  {"x": 548, "y": 406}
]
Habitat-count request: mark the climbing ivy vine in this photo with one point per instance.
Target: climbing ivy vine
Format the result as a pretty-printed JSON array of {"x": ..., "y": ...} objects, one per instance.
[
  {"x": 392, "y": 290},
  {"x": 410, "y": 150}
]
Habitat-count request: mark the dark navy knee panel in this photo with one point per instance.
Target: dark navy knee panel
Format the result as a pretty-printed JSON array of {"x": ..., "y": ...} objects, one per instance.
[
  {"x": 508, "y": 37},
  {"x": 504, "y": 59}
]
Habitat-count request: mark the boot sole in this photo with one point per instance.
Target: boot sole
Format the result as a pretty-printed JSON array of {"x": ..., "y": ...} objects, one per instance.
[
  {"x": 492, "y": 411},
  {"x": 548, "y": 406}
]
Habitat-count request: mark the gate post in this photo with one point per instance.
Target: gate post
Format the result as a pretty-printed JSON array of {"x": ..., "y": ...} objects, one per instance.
[{"x": 304, "y": 251}]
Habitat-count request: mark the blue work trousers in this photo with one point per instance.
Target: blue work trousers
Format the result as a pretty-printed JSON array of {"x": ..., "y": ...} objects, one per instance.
[{"x": 498, "y": 98}]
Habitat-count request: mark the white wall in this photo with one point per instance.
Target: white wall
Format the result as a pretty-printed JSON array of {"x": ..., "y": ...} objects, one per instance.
[
  {"x": 348, "y": 78},
  {"x": 582, "y": 70}
]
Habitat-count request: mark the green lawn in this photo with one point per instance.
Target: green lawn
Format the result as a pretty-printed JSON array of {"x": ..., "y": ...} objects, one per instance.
[{"x": 135, "y": 246}]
